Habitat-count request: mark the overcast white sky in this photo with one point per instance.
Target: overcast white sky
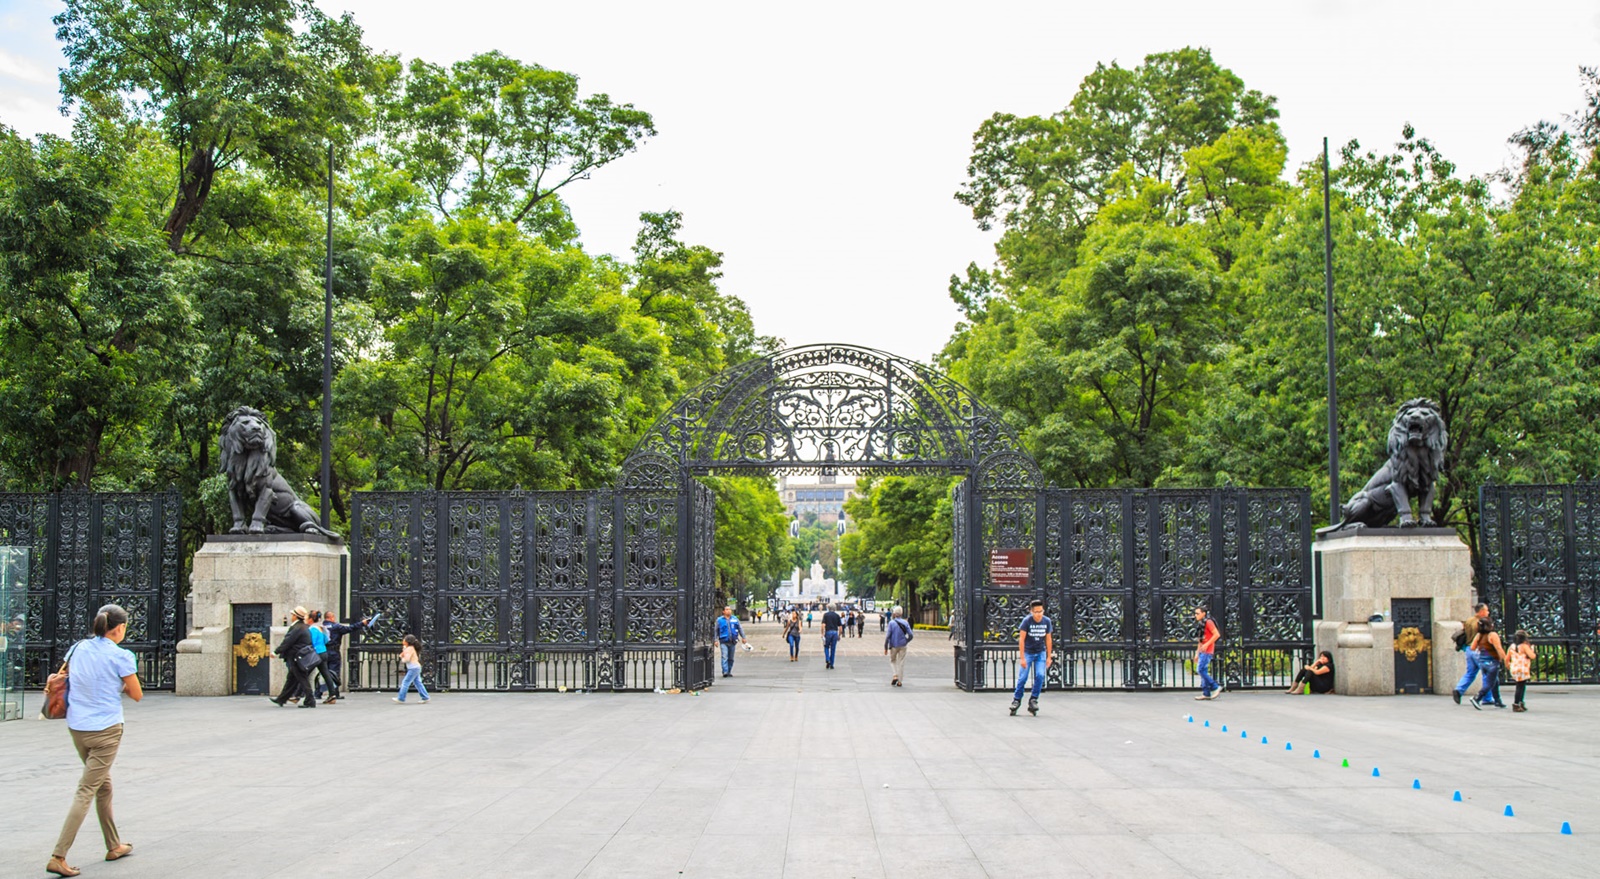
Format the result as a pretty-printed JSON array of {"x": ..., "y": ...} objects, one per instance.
[{"x": 817, "y": 145}]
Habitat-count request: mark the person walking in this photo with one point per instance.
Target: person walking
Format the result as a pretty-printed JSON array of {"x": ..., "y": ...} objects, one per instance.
[
  {"x": 729, "y": 635},
  {"x": 298, "y": 681},
  {"x": 100, "y": 672},
  {"x": 1469, "y": 629},
  {"x": 1520, "y": 661},
  {"x": 861, "y": 625},
  {"x": 830, "y": 635},
  {"x": 1210, "y": 634},
  {"x": 411, "y": 655},
  {"x": 1035, "y": 646},
  {"x": 808, "y": 619},
  {"x": 791, "y": 634},
  {"x": 894, "y": 646},
  {"x": 319, "y": 641},
  {"x": 334, "y": 659},
  {"x": 1491, "y": 655}
]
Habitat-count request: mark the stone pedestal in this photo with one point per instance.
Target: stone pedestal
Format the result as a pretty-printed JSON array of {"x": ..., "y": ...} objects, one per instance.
[
  {"x": 283, "y": 570},
  {"x": 1362, "y": 572}
]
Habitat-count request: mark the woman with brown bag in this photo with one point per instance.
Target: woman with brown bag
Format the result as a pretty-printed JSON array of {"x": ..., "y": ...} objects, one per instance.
[{"x": 100, "y": 672}]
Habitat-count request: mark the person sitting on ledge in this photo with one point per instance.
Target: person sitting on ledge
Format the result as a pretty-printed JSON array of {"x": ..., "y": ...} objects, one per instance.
[{"x": 1318, "y": 675}]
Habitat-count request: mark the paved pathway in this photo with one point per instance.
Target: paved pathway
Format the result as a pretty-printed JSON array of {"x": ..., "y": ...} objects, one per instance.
[{"x": 789, "y": 770}]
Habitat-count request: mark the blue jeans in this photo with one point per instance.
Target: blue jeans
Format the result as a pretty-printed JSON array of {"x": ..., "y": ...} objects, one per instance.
[
  {"x": 413, "y": 676},
  {"x": 1474, "y": 663},
  {"x": 1207, "y": 684},
  {"x": 830, "y": 642},
  {"x": 1490, "y": 691},
  {"x": 727, "y": 655},
  {"x": 1034, "y": 662},
  {"x": 794, "y": 646}
]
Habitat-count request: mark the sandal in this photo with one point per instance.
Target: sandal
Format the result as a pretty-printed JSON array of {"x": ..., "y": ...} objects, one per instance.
[
  {"x": 120, "y": 851},
  {"x": 60, "y": 868}
]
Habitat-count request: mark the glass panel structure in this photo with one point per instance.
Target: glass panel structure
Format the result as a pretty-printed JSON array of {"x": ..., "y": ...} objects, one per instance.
[{"x": 13, "y": 628}]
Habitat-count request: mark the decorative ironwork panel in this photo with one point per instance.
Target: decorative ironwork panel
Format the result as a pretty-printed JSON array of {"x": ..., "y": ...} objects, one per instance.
[
  {"x": 92, "y": 548},
  {"x": 1278, "y": 616},
  {"x": 652, "y": 619},
  {"x": 650, "y": 542},
  {"x": 837, "y": 407},
  {"x": 1098, "y": 617},
  {"x": 960, "y": 498},
  {"x": 1539, "y": 570},
  {"x": 563, "y": 619},
  {"x": 560, "y": 543},
  {"x": 382, "y": 542},
  {"x": 1096, "y": 537},
  {"x": 474, "y": 543},
  {"x": 1001, "y": 614},
  {"x": 603, "y": 510},
  {"x": 474, "y": 619}
]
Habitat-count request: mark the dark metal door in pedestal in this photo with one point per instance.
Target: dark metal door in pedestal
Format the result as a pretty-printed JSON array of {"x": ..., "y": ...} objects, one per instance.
[
  {"x": 252, "y": 652},
  {"x": 1413, "y": 644}
]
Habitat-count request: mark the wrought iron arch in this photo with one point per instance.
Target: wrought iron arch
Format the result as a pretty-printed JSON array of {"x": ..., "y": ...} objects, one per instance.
[{"x": 836, "y": 408}]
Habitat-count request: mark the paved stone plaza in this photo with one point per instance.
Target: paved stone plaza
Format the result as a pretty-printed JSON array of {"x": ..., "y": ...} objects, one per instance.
[{"x": 790, "y": 770}]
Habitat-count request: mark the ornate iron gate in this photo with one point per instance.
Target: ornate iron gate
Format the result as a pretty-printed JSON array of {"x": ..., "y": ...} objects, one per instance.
[
  {"x": 91, "y": 548},
  {"x": 1122, "y": 571},
  {"x": 1539, "y": 570},
  {"x": 575, "y": 590}
]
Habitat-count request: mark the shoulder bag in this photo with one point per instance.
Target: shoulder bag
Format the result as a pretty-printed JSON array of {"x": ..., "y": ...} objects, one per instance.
[
  {"x": 55, "y": 689},
  {"x": 307, "y": 658}
]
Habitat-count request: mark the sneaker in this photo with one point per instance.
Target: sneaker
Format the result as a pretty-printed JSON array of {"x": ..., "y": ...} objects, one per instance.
[
  {"x": 398, "y": 699},
  {"x": 1015, "y": 704},
  {"x": 1456, "y": 695},
  {"x": 1217, "y": 693},
  {"x": 1476, "y": 703}
]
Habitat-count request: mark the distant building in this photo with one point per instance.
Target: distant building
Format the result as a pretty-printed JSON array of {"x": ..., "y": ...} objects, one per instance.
[{"x": 822, "y": 496}]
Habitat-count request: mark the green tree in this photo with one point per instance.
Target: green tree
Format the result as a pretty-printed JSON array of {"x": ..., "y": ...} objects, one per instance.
[
  {"x": 267, "y": 83},
  {"x": 902, "y": 533},
  {"x": 92, "y": 330},
  {"x": 752, "y": 535},
  {"x": 1044, "y": 179},
  {"x": 499, "y": 137}
]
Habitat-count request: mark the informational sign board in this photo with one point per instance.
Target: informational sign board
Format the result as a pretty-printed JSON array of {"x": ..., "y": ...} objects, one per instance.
[{"x": 1011, "y": 567}]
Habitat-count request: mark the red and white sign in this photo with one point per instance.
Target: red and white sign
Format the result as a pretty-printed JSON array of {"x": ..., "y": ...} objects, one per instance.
[{"x": 1011, "y": 567}]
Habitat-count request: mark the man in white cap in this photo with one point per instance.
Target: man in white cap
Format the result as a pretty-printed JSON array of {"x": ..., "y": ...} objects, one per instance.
[
  {"x": 298, "y": 681},
  {"x": 894, "y": 645}
]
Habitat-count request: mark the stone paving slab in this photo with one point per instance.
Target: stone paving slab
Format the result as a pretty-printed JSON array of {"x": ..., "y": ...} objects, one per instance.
[{"x": 791, "y": 770}]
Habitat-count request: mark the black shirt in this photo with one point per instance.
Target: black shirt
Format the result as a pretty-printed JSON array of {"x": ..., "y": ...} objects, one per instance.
[{"x": 831, "y": 621}]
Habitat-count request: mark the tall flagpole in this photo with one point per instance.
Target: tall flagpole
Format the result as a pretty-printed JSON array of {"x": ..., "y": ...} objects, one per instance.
[
  {"x": 327, "y": 357},
  {"x": 1333, "y": 390}
]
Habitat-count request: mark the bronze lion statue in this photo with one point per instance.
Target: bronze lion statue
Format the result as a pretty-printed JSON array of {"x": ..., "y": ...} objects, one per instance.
[
  {"x": 261, "y": 501},
  {"x": 1416, "y": 455}
]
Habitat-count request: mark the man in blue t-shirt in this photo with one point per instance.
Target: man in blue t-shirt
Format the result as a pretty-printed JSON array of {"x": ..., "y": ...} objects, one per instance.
[
  {"x": 1035, "y": 645},
  {"x": 729, "y": 634}
]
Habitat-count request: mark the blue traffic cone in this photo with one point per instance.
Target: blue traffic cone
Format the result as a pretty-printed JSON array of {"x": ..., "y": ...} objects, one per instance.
[
  {"x": 1416, "y": 784},
  {"x": 1288, "y": 746},
  {"x": 1508, "y": 811},
  {"x": 1316, "y": 754},
  {"x": 1208, "y": 723},
  {"x": 1456, "y": 798},
  {"x": 1243, "y": 734},
  {"x": 1263, "y": 740},
  {"x": 1224, "y": 727},
  {"x": 1566, "y": 828},
  {"x": 1374, "y": 772}
]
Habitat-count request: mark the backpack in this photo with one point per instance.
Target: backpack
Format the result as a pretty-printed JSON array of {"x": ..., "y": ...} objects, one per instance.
[{"x": 1459, "y": 639}]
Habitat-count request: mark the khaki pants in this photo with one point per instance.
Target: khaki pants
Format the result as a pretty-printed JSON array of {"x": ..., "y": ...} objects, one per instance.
[
  {"x": 97, "y": 750},
  {"x": 897, "y": 661}
]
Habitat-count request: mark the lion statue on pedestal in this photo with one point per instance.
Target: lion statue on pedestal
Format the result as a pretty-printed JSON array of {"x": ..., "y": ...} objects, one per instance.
[
  {"x": 261, "y": 501},
  {"x": 1417, "y": 440}
]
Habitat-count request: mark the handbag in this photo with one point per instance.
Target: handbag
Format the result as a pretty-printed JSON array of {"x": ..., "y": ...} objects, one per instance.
[
  {"x": 55, "y": 690},
  {"x": 307, "y": 658}
]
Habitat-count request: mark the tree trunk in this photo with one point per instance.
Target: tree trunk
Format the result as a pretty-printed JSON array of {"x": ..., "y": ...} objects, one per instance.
[{"x": 193, "y": 188}]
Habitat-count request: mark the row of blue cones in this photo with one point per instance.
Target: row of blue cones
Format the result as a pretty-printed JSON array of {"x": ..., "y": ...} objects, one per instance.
[{"x": 1416, "y": 783}]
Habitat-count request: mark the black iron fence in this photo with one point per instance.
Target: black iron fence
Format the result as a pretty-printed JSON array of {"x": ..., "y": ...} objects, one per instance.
[
  {"x": 1121, "y": 572},
  {"x": 1539, "y": 571},
  {"x": 92, "y": 548},
  {"x": 579, "y": 590}
]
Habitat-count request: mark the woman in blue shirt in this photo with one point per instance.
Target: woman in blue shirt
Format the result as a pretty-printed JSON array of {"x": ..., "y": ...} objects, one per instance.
[{"x": 100, "y": 672}]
